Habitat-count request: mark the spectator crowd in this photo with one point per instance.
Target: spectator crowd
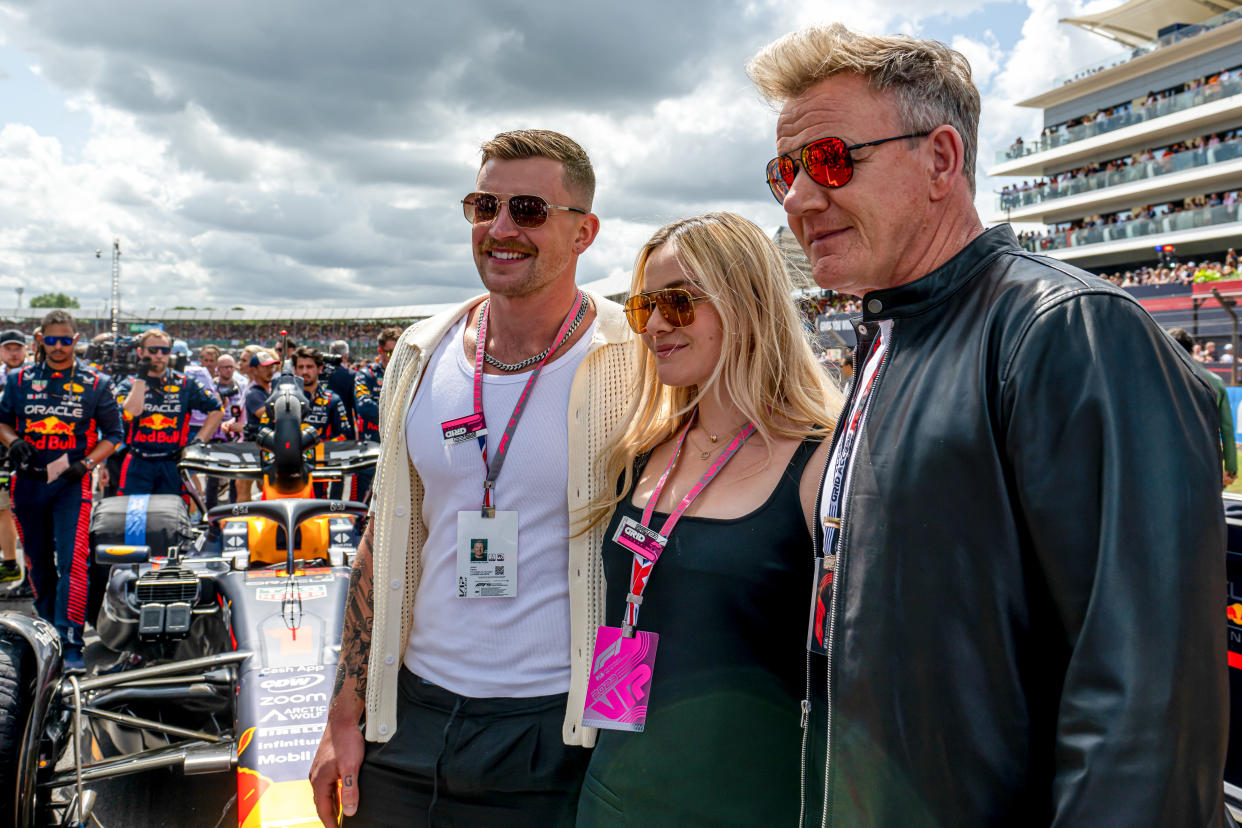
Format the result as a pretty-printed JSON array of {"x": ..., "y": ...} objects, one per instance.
[
  {"x": 1148, "y": 163},
  {"x": 1194, "y": 211},
  {"x": 1124, "y": 113}
]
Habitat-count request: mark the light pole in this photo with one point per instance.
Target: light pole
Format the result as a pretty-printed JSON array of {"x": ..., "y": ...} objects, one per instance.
[
  {"x": 20, "y": 291},
  {"x": 116, "y": 283}
]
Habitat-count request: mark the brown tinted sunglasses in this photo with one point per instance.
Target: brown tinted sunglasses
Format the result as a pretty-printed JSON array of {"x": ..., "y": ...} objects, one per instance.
[{"x": 676, "y": 305}]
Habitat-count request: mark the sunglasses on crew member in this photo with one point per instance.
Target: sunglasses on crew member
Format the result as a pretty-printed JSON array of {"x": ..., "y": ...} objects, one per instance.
[
  {"x": 528, "y": 211},
  {"x": 158, "y": 349},
  {"x": 676, "y": 306},
  {"x": 827, "y": 161},
  {"x": 53, "y": 341}
]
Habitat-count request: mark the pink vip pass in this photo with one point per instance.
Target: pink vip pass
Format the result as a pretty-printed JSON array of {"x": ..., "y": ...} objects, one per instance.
[
  {"x": 463, "y": 429},
  {"x": 639, "y": 539},
  {"x": 620, "y": 681}
]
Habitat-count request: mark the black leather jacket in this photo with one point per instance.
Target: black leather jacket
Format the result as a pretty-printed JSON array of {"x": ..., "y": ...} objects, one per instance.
[{"x": 1028, "y": 626}]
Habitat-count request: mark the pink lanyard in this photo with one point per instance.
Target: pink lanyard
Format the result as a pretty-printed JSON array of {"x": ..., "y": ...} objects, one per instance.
[
  {"x": 640, "y": 570},
  {"x": 493, "y": 468}
]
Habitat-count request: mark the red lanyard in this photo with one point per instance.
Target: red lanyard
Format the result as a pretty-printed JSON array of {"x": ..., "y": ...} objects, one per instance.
[
  {"x": 493, "y": 468},
  {"x": 640, "y": 569}
]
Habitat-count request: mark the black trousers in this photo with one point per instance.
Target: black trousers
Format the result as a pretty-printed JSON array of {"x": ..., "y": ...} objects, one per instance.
[{"x": 456, "y": 761}]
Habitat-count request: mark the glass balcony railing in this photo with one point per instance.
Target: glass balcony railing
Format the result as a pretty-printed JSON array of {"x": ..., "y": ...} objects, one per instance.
[
  {"x": 1137, "y": 171},
  {"x": 1135, "y": 228},
  {"x": 1129, "y": 115},
  {"x": 1150, "y": 46}
]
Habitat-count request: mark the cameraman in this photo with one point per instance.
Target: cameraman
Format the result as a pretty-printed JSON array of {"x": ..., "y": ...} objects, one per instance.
[
  {"x": 326, "y": 411},
  {"x": 59, "y": 421},
  {"x": 12, "y": 357},
  {"x": 157, "y": 404}
]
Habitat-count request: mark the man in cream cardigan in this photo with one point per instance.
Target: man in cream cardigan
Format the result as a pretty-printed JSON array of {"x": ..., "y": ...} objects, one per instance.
[{"x": 470, "y": 675}]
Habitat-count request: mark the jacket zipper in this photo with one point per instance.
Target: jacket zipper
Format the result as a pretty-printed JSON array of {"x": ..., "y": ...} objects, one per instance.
[
  {"x": 839, "y": 565},
  {"x": 819, "y": 500}
]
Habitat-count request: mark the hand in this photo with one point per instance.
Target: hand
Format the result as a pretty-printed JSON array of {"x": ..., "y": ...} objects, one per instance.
[
  {"x": 21, "y": 452},
  {"x": 104, "y": 479},
  {"x": 75, "y": 472},
  {"x": 337, "y": 760},
  {"x": 1226, "y": 478}
]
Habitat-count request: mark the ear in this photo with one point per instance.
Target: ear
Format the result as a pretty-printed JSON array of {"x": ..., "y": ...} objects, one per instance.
[
  {"x": 947, "y": 153},
  {"x": 588, "y": 229}
]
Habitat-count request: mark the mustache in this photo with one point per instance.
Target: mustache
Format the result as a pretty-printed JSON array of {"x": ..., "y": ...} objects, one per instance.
[{"x": 517, "y": 247}]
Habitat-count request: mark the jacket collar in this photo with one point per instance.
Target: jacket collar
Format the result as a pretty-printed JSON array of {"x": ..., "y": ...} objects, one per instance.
[{"x": 928, "y": 291}]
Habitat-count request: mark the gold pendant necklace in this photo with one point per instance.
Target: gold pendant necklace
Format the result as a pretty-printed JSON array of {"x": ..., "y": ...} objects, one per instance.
[{"x": 704, "y": 455}]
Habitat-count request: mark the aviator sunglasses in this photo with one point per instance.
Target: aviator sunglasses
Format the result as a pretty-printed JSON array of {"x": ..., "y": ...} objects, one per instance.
[
  {"x": 528, "y": 211},
  {"x": 676, "y": 305},
  {"x": 827, "y": 161}
]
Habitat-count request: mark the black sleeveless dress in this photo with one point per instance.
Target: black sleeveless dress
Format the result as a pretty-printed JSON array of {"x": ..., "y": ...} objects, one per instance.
[{"x": 729, "y": 599}]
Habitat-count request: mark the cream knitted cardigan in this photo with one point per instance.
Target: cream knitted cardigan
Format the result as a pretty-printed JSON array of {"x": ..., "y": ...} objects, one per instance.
[{"x": 598, "y": 400}]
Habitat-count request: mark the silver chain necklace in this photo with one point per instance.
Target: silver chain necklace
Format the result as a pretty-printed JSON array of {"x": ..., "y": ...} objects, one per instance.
[{"x": 529, "y": 361}]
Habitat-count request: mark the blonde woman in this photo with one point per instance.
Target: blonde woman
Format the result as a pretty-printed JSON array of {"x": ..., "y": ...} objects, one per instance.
[{"x": 726, "y": 438}]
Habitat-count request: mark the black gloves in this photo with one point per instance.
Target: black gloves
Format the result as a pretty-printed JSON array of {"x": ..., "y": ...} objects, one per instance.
[
  {"x": 75, "y": 472},
  {"x": 20, "y": 452}
]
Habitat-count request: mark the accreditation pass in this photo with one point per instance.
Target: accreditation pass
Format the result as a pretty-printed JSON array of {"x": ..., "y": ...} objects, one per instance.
[{"x": 487, "y": 555}]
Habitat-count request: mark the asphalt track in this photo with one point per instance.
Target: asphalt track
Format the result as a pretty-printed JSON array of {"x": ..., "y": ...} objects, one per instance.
[{"x": 155, "y": 799}]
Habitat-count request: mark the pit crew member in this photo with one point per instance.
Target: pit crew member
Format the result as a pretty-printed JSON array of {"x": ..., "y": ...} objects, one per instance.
[
  {"x": 327, "y": 410},
  {"x": 157, "y": 405},
  {"x": 368, "y": 382},
  {"x": 59, "y": 421},
  {"x": 262, "y": 368}
]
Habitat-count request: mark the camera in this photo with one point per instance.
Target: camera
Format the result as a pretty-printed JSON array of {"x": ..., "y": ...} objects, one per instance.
[{"x": 118, "y": 358}]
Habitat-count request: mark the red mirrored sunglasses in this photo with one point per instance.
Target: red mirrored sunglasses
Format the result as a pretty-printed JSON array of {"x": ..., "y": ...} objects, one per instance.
[{"x": 827, "y": 161}]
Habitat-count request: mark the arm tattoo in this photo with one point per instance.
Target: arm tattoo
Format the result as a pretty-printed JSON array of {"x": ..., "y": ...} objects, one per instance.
[{"x": 359, "y": 616}]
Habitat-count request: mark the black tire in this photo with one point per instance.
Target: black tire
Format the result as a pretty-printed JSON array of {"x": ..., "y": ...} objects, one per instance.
[{"x": 14, "y": 711}]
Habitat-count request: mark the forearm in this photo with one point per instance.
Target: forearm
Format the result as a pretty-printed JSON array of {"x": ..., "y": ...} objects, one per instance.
[
  {"x": 102, "y": 450},
  {"x": 135, "y": 399},
  {"x": 7, "y": 434},
  {"x": 350, "y": 692},
  {"x": 210, "y": 426}
]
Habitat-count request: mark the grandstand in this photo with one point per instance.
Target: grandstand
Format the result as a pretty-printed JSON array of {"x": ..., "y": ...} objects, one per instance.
[{"x": 1139, "y": 162}]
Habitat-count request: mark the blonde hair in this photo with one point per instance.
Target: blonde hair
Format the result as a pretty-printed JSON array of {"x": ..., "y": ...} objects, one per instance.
[
  {"x": 766, "y": 365},
  {"x": 579, "y": 175},
  {"x": 931, "y": 82}
]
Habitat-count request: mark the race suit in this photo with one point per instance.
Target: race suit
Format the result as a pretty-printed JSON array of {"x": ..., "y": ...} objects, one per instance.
[
  {"x": 157, "y": 435},
  {"x": 367, "y": 385},
  {"x": 327, "y": 415},
  {"x": 61, "y": 413}
]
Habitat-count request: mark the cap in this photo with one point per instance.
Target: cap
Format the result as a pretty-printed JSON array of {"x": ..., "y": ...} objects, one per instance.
[
  {"x": 12, "y": 336},
  {"x": 263, "y": 358},
  {"x": 1228, "y": 347}
]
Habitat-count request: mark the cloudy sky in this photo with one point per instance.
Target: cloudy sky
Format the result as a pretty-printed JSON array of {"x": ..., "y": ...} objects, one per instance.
[{"x": 295, "y": 153}]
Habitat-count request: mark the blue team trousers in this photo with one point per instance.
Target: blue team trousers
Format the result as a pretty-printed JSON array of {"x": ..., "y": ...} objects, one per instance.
[
  {"x": 54, "y": 521},
  {"x": 147, "y": 476}
]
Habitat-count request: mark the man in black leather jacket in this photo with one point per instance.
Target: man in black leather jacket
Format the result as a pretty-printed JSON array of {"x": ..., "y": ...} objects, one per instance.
[{"x": 1022, "y": 506}]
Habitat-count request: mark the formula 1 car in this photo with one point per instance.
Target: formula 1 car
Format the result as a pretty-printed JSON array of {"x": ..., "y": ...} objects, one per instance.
[{"x": 226, "y": 637}]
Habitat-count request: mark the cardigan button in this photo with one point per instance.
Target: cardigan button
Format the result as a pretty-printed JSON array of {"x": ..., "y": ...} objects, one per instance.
[
  {"x": 383, "y": 728},
  {"x": 395, "y": 584},
  {"x": 399, "y": 511},
  {"x": 389, "y": 659}
]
